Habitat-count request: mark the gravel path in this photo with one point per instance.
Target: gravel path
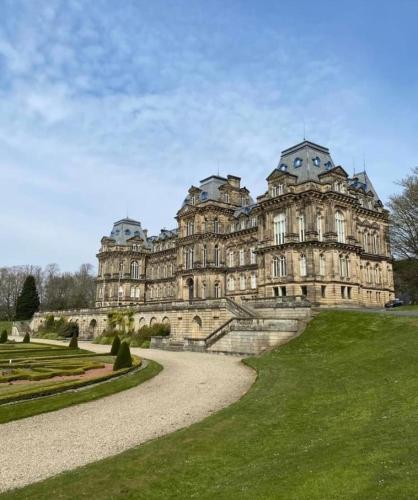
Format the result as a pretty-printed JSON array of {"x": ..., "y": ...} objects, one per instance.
[{"x": 191, "y": 386}]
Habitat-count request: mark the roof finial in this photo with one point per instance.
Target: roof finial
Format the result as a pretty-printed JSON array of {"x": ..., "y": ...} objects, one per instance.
[
  {"x": 364, "y": 162},
  {"x": 304, "y": 130}
]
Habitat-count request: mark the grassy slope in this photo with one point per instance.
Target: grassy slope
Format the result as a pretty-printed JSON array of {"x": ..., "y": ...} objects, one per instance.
[{"x": 332, "y": 415}]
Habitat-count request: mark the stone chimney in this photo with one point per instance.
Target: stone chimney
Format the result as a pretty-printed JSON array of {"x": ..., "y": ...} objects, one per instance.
[{"x": 234, "y": 181}]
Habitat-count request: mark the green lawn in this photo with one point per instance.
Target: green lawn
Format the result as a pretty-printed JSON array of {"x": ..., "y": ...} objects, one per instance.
[
  {"x": 413, "y": 307},
  {"x": 332, "y": 415}
]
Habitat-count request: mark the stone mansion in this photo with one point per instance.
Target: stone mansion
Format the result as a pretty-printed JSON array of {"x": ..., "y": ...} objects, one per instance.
[{"x": 316, "y": 232}]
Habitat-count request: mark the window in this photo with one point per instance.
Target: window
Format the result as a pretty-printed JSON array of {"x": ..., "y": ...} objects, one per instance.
[
  {"x": 189, "y": 257},
  {"x": 226, "y": 197},
  {"x": 253, "y": 280},
  {"x": 253, "y": 221},
  {"x": 377, "y": 275},
  {"x": 121, "y": 269},
  {"x": 231, "y": 259},
  {"x": 134, "y": 270},
  {"x": 302, "y": 265},
  {"x": 323, "y": 291},
  {"x": 203, "y": 290},
  {"x": 217, "y": 289},
  {"x": 193, "y": 199},
  {"x": 279, "y": 229},
  {"x": 344, "y": 266},
  {"x": 253, "y": 256},
  {"x": 279, "y": 291},
  {"x": 304, "y": 290},
  {"x": 205, "y": 256},
  {"x": 301, "y": 224},
  {"x": 279, "y": 267},
  {"x": 242, "y": 223},
  {"x": 322, "y": 265},
  {"x": 319, "y": 226},
  {"x": 242, "y": 282},
  {"x": 216, "y": 256},
  {"x": 340, "y": 226},
  {"x": 277, "y": 190},
  {"x": 120, "y": 293},
  {"x": 189, "y": 228},
  {"x": 231, "y": 284},
  {"x": 216, "y": 225},
  {"x": 241, "y": 257},
  {"x": 366, "y": 241}
]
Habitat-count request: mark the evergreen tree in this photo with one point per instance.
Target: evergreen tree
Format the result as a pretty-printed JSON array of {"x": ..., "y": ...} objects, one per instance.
[
  {"x": 115, "y": 346},
  {"x": 26, "y": 338},
  {"x": 28, "y": 300},
  {"x": 123, "y": 359},
  {"x": 73, "y": 342},
  {"x": 3, "y": 337}
]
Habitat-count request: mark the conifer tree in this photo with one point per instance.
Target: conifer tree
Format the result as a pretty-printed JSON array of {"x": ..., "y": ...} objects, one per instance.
[
  {"x": 115, "y": 346},
  {"x": 73, "y": 342},
  {"x": 3, "y": 337},
  {"x": 26, "y": 338},
  {"x": 28, "y": 300},
  {"x": 123, "y": 359}
]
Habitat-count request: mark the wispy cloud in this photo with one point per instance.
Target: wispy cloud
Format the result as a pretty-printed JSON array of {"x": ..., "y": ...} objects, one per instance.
[{"x": 108, "y": 107}]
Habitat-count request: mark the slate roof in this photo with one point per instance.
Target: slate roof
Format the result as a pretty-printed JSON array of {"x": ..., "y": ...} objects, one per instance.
[
  {"x": 125, "y": 229},
  {"x": 361, "y": 180},
  {"x": 306, "y": 160}
]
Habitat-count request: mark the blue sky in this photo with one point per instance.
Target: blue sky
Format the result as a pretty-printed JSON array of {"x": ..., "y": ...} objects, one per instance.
[{"x": 111, "y": 107}]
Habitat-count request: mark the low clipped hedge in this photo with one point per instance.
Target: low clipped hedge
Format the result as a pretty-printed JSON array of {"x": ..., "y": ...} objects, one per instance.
[{"x": 62, "y": 387}]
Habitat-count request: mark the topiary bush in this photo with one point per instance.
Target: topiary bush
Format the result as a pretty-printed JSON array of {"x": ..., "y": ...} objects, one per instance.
[
  {"x": 69, "y": 329},
  {"x": 73, "y": 342},
  {"x": 115, "y": 346},
  {"x": 3, "y": 337},
  {"x": 26, "y": 338},
  {"x": 123, "y": 359}
]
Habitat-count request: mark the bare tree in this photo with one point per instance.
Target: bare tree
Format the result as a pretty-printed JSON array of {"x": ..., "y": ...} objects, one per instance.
[{"x": 404, "y": 218}]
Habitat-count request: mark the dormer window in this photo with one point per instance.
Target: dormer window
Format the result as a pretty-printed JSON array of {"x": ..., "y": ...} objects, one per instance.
[
  {"x": 316, "y": 161},
  {"x": 193, "y": 199},
  {"x": 297, "y": 162},
  {"x": 226, "y": 197},
  {"x": 277, "y": 190},
  {"x": 283, "y": 167},
  {"x": 328, "y": 165}
]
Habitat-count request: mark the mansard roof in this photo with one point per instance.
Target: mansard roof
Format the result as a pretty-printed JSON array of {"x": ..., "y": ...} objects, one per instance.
[
  {"x": 361, "y": 181},
  {"x": 125, "y": 229},
  {"x": 305, "y": 160}
]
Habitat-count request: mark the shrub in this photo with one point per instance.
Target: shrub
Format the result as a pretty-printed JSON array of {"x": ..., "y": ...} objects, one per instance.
[
  {"x": 3, "y": 337},
  {"x": 26, "y": 338},
  {"x": 123, "y": 359},
  {"x": 115, "y": 346},
  {"x": 73, "y": 342},
  {"x": 69, "y": 329}
]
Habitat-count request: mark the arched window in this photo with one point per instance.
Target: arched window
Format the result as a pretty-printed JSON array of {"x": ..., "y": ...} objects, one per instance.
[
  {"x": 241, "y": 257},
  {"x": 322, "y": 265},
  {"x": 344, "y": 266},
  {"x": 205, "y": 256},
  {"x": 377, "y": 275},
  {"x": 217, "y": 290},
  {"x": 242, "y": 282},
  {"x": 231, "y": 283},
  {"x": 319, "y": 226},
  {"x": 279, "y": 229},
  {"x": 253, "y": 256},
  {"x": 301, "y": 227},
  {"x": 203, "y": 290},
  {"x": 134, "y": 270},
  {"x": 366, "y": 241},
  {"x": 216, "y": 256},
  {"x": 137, "y": 292},
  {"x": 340, "y": 226},
  {"x": 302, "y": 265}
]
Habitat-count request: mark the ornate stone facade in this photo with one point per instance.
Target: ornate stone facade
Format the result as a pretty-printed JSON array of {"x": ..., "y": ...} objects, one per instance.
[{"x": 315, "y": 232}]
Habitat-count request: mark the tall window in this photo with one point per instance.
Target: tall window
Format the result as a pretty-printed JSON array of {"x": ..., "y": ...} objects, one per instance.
[
  {"x": 366, "y": 241},
  {"x": 189, "y": 257},
  {"x": 121, "y": 269},
  {"x": 226, "y": 197},
  {"x": 322, "y": 265},
  {"x": 277, "y": 190},
  {"x": 301, "y": 224},
  {"x": 279, "y": 266},
  {"x": 217, "y": 290},
  {"x": 134, "y": 270},
  {"x": 279, "y": 229},
  {"x": 203, "y": 290},
  {"x": 205, "y": 256},
  {"x": 215, "y": 225},
  {"x": 253, "y": 280},
  {"x": 217, "y": 260},
  {"x": 231, "y": 258},
  {"x": 340, "y": 226},
  {"x": 189, "y": 228},
  {"x": 231, "y": 283},
  {"x": 241, "y": 257},
  {"x": 242, "y": 223},
  {"x": 344, "y": 266},
  {"x": 253, "y": 256},
  {"x": 242, "y": 282},
  {"x": 377, "y": 275},
  {"x": 302, "y": 265},
  {"x": 319, "y": 226}
]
